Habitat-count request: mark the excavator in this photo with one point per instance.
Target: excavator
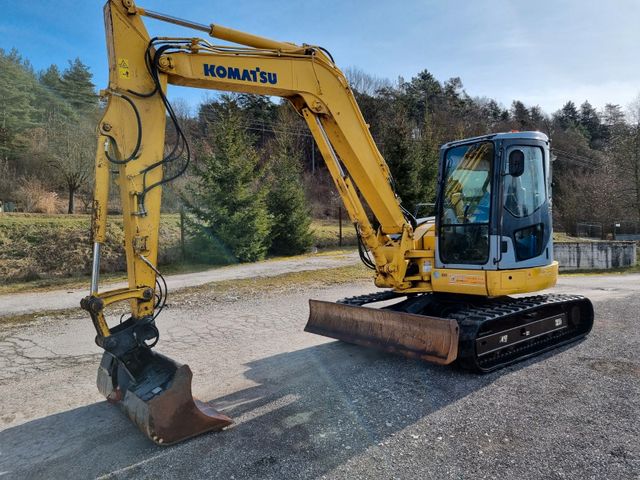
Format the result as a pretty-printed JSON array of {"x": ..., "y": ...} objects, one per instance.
[{"x": 451, "y": 285}]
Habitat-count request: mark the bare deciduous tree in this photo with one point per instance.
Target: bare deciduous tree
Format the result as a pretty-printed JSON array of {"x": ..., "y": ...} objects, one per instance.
[
  {"x": 71, "y": 149},
  {"x": 363, "y": 82},
  {"x": 632, "y": 150}
]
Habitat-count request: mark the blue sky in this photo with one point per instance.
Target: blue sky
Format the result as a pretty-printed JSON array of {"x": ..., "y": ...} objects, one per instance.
[{"x": 543, "y": 52}]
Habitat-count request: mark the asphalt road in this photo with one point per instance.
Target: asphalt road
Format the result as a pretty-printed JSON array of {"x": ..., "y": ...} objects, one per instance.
[
  {"x": 28, "y": 302},
  {"x": 310, "y": 407}
]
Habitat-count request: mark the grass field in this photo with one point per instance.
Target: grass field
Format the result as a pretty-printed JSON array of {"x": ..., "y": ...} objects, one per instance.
[
  {"x": 43, "y": 250},
  {"x": 48, "y": 251},
  {"x": 326, "y": 233},
  {"x": 33, "y": 247}
]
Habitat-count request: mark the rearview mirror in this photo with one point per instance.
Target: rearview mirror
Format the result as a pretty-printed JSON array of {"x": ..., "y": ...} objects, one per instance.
[{"x": 516, "y": 163}]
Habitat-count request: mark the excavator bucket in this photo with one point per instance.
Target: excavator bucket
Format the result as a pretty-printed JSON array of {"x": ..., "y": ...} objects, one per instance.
[
  {"x": 416, "y": 336},
  {"x": 155, "y": 393}
]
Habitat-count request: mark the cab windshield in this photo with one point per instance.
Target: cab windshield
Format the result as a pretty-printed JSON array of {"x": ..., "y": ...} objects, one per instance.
[{"x": 466, "y": 204}]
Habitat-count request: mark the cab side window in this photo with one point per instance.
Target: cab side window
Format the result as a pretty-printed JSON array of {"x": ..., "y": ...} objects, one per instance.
[{"x": 525, "y": 193}]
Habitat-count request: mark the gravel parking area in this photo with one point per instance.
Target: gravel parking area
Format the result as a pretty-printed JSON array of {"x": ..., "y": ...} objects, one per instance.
[{"x": 310, "y": 407}]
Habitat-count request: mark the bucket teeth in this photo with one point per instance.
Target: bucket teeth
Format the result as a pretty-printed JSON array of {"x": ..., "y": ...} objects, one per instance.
[
  {"x": 427, "y": 338},
  {"x": 155, "y": 393}
]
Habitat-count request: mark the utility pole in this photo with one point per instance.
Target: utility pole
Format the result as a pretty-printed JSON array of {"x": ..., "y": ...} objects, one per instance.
[
  {"x": 182, "y": 249},
  {"x": 339, "y": 225},
  {"x": 313, "y": 156}
]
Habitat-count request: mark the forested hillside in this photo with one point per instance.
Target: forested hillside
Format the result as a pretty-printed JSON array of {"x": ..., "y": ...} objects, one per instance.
[
  {"x": 47, "y": 144},
  {"x": 47, "y": 140}
]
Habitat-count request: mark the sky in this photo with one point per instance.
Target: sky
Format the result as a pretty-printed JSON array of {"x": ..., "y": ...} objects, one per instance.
[{"x": 541, "y": 53}]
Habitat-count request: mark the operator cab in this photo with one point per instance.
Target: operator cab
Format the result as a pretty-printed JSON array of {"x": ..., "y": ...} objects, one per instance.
[{"x": 494, "y": 205}]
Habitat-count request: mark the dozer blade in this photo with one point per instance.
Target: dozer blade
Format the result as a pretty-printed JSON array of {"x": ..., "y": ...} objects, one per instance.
[
  {"x": 416, "y": 336},
  {"x": 155, "y": 393}
]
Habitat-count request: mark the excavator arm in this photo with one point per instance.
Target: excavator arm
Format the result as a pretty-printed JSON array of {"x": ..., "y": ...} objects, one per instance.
[
  {"x": 154, "y": 390},
  {"x": 134, "y": 124},
  {"x": 131, "y": 147}
]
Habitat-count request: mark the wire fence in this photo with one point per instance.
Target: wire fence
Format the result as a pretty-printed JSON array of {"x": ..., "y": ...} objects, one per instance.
[
  {"x": 617, "y": 230},
  {"x": 626, "y": 230},
  {"x": 589, "y": 230}
]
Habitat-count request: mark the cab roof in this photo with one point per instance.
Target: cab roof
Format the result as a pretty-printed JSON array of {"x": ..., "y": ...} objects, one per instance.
[{"x": 500, "y": 136}]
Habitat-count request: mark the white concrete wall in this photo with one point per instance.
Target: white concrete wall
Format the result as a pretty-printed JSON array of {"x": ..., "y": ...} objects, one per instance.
[{"x": 594, "y": 255}]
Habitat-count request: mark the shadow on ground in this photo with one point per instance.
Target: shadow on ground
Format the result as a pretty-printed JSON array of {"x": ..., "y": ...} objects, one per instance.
[{"x": 310, "y": 411}]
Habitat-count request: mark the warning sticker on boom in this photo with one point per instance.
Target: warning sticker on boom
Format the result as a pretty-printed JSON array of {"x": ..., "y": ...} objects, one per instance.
[{"x": 123, "y": 68}]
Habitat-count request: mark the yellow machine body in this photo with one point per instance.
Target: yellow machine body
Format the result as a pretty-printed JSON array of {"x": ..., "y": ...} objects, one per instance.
[{"x": 131, "y": 142}]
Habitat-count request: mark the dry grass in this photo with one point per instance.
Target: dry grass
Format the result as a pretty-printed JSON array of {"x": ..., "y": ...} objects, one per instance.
[
  {"x": 39, "y": 251},
  {"x": 279, "y": 284},
  {"x": 562, "y": 237},
  {"x": 48, "y": 315},
  {"x": 35, "y": 197},
  {"x": 326, "y": 233},
  {"x": 37, "y": 247}
]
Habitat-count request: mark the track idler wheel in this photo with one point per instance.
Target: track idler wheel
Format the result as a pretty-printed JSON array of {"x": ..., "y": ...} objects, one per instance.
[{"x": 155, "y": 393}]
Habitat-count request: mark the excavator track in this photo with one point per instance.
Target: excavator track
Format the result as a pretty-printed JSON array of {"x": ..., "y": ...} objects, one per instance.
[
  {"x": 496, "y": 333},
  {"x": 493, "y": 332}
]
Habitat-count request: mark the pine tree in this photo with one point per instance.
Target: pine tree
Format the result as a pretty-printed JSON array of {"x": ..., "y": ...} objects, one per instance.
[
  {"x": 567, "y": 116},
  {"x": 613, "y": 115},
  {"x": 493, "y": 112},
  {"x": 422, "y": 95},
  {"x": 537, "y": 117},
  {"x": 227, "y": 199},
  {"x": 521, "y": 115},
  {"x": 50, "y": 98},
  {"x": 286, "y": 200},
  {"x": 425, "y": 153},
  {"x": 77, "y": 87},
  {"x": 397, "y": 142},
  {"x": 16, "y": 102},
  {"x": 52, "y": 79},
  {"x": 590, "y": 121}
]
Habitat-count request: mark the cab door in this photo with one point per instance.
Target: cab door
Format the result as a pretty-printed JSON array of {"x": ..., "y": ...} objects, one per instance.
[
  {"x": 464, "y": 212},
  {"x": 525, "y": 230}
]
